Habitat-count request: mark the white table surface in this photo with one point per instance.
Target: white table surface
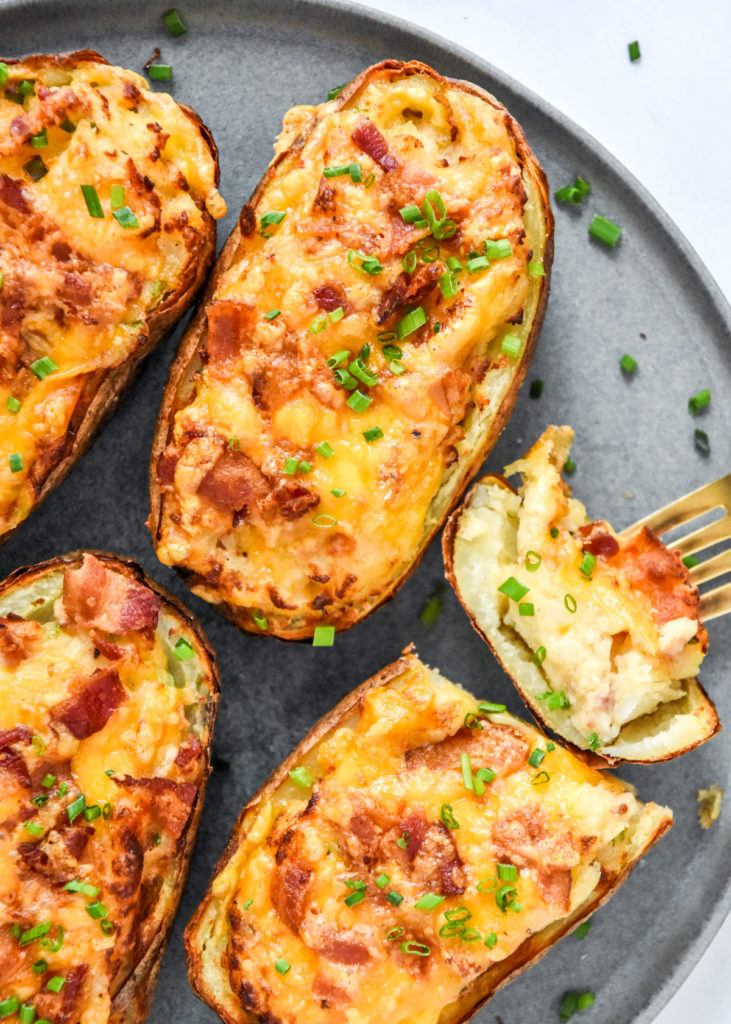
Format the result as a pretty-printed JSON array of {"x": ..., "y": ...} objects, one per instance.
[{"x": 665, "y": 117}]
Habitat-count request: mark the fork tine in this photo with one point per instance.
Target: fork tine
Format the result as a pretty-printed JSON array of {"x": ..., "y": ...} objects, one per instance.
[
  {"x": 716, "y": 602},
  {"x": 698, "y": 502},
  {"x": 714, "y": 532},
  {"x": 716, "y": 566}
]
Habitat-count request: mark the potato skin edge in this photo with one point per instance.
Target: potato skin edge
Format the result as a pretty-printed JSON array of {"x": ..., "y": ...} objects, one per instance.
[
  {"x": 131, "y": 1003},
  {"x": 594, "y": 759},
  {"x": 533, "y": 949},
  {"x": 195, "y": 334},
  {"x": 105, "y": 389}
]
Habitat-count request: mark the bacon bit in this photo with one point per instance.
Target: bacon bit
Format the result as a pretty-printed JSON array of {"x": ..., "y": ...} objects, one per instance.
[
  {"x": 247, "y": 220},
  {"x": 408, "y": 288},
  {"x": 11, "y": 763},
  {"x": 326, "y": 199},
  {"x": 290, "y": 881},
  {"x": 451, "y": 393},
  {"x": 598, "y": 539},
  {"x": 660, "y": 575},
  {"x": 94, "y": 705},
  {"x": 293, "y": 499},
  {"x": 498, "y": 747},
  {"x": 12, "y": 194},
  {"x": 525, "y": 838},
  {"x": 61, "y": 252},
  {"x": 12, "y": 305},
  {"x": 169, "y": 801},
  {"x": 75, "y": 290},
  {"x": 188, "y": 751},
  {"x": 112, "y": 651},
  {"x": 17, "y": 639},
  {"x": 347, "y": 583},
  {"x": 56, "y": 857},
  {"x": 19, "y": 734},
  {"x": 414, "y": 828},
  {"x": 63, "y": 1006},
  {"x": 234, "y": 483},
  {"x": 128, "y": 865},
  {"x": 97, "y": 596},
  {"x": 328, "y": 993},
  {"x": 166, "y": 466},
  {"x": 437, "y": 862},
  {"x": 229, "y": 326},
  {"x": 344, "y": 951},
  {"x": 328, "y": 297},
  {"x": 370, "y": 141}
]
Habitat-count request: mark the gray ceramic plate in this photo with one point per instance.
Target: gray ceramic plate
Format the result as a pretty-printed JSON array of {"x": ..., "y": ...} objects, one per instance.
[{"x": 241, "y": 65}]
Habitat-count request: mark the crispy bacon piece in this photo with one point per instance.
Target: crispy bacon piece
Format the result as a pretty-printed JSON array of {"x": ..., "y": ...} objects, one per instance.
[
  {"x": 598, "y": 539},
  {"x": 525, "y": 838},
  {"x": 233, "y": 483},
  {"x": 188, "y": 751},
  {"x": 64, "y": 1006},
  {"x": 293, "y": 500},
  {"x": 19, "y": 734},
  {"x": 328, "y": 297},
  {"x": 170, "y": 802},
  {"x": 166, "y": 466},
  {"x": 437, "y": 864},
  {"x": 95, "y": 596},
  {"x": 408, "y": 288},
  {"x": 12, "y": 763},
  {"x": 452, "y": 394},
  {"x": 290, "y": 881},
  {"x": 56, "y": 857},
  {"x": 368, "y": 139},
  {"x": 660, "y": 575},
  {"x": 12, "y": 194},
  {"x": 342, "y": 950},
  {"x": 17, "y": 637},
  {"x": 114, "y": 652},
  {"x": 93, "y": 706},
  {"x": 229, "y": 324},
  {"x": 498, "y": 747}
]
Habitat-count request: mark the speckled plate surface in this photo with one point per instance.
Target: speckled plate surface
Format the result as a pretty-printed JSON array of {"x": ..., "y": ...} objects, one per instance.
[{"x": 241, "y": 66}]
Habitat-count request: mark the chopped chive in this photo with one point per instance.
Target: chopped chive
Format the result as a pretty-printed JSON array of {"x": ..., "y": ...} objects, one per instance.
[
  {"x": 532, "y": 561},
  {"x": 568, "y": 194},
  {"x": 394, "y": 897},
  {"x": 318, "y": 325},
  {"x": 585, "y": 1000},
  {"x": 9, "y": 1006},
  {"x": 56, "y": 983},
  {"x": 415, "y": 948},
  {"x": 430, "y": 611},
  {"x": 467, "y": 780},
  {"x": 447, "y": 815},
  {"x": 282, "y": 966},
  {"x": 486, "y": 885},
  {"x": 93, "y": 204},
  {"x": 338, "y": 358},
  {"x": 3, "y": 73},
  {"x": 324, "y": 520},
  {"x": 409, "y": 261},
  {"x": 76, "y": 807},
  {"x": 570, "y": 602},
  {"x": 372, "y": 434},
  {"x": 582, "y": 186},
  {"x": 507, "y": 872},
  {"x": 369, "y": 180},
  {"x": 360, "y": 371},
  {"x": 701, "y": 441},
  {"x": 15, "y": 461},
  {"x": 39, "y": 744},
  {"x": 159, "y": 72},
  {"x": 43, "y": 367},
  {"x": 272, "y": 314},
  {"x": 536, "y": 388},
  {"x": 393, "y": 933},
  {"x": 448, "y": 284},
  {"x": 569, "y": 466},
  {"x": 593, "y": 742},
  {"x": 35, "y": 169},
  {"x": 539, "y": 656},
  {"x": 48, "y": 780},
  {"x": 511, "y": 345},
  {"x": 536, "y": 756},
  {"x": 39, "y": 140},
  {"x": 391, "y": 352},
  {"x": 699, "y": 401},
  {"x": 554, "y": 532},
  {"x": 504, "y": 894},
  {"x": 93, "y": 812},
  {"x": 382, "y": 881},
  {"x": 488, "y": 707},
  {"x": 358, "y": 401},
  {"x": 583, "y": 930},
  {"x": 498, "y": 248},
  {"x": 260, "y": 620},
  {"x": 323, "y": 636},
  {"x": 336, "y": 315},
  {"x": 325, "y": 450},
  {"x": 485, "y": 775},
  {"x": 96, "y": 910},
  {"x": 403, "y": 840},
  {"x": 106, "y": 926},
  {"x": 174, "y": 23},
  {"x": 304, "y": 467},
  {"x": 335, "y": 92},
  {"x": 690, "y": 560},
  {"x": 337, "y": 172},
  {"x": 272, "y": 217},
  {"x": 540, "y": 778},
  {"x": 67, "y": 126},
  {"x": 249, "y": 904},
  {"x": 36, "y": 932},
  {"x": 550, "y": 746},
  {"x": 182, "y": 650},
  {"x": 587, "y": 563},
  {"x": 355, "y": 897},
  {"x": 477, "y": 263},
  {"x": 605, "y": 231},
  {"x": 125, "y": 217},
  {"x": 396, "y": 367},
  {"x": 429, "y": 901},
  {"x": 633, "y": 49},
  {"x": 491, "y": 940},
  {"x": 536, "y": 268},
  {"x": 40, "y": 966},
  {"x": 116, "y": 196},
  {"x": 526, "y": 608},
  {"x": 301, "y": 777},
  {"x": 368, "y": 264},
  {"x": 412, "y": 215},
  {"x": 627, "y": 363},
  {"x": 411, "y": 322},
  {"x": 290, "y": 466},
  {"x": 338, "y": 492},
  {"x": 33, "y": 828},
  {"x": 513, "y": 589},
  {"x": 234, "y": 444}
]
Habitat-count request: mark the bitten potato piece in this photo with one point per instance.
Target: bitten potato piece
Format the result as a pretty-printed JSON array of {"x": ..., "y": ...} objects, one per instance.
[
  {"x": 360, "y": 349},
  {"x": 108, "y": 203},
  {"x": 600, "y": 634},
  {"x": 415, "y": 852}
]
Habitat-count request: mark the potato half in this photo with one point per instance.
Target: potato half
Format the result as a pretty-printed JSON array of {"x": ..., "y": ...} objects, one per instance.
[
  {"x": 107, "y": 205},
  {"x": 416, "y": 851},
  {"x": 108, "y": 694},
  {"x": 600, "y": 634},
  {"x": 360, "y": 349}
]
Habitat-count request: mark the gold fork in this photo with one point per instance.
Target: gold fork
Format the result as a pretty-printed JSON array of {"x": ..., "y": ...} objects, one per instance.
[{"x": 715, "y": 495}]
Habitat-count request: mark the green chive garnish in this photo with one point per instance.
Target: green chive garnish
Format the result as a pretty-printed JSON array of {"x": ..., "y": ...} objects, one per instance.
[
  {"x": 507, "y": 872},
  {"x": 536, "y": 388},
  {"x": 511, "y": 345},
  {"x": 570, "y": 602},
  {"x": 357, "y": 896},
  {"x": 699, "y": 401},
  {"x": 15, "y": 461},
  {"x": 634, "y": 50},
  {"x": 48, "y": 780},
  {"x": 40, "y": 966},
  {"x": 411, "y": 322},
  {"x": 338, "y": 358},
  {"x": 301, "y": 777},
  {"x": 490, "y": 940},
  {"x": 701, "y": 441},
  {"x": 627, "y": 363},
  {"x": 33, "y": 828},
  {"x": 526, "y": 608},
  {"x": 593, "y": 742},
  {"x": 415, "y": 948},
  {"x": 447, "y": 815},
  {"x": 394, "y": 897},
  {"x": 448, "y": 284},
  {"x": 282, "y": 965},
  {"x": 368, "y": 264},
  {"x": 587, "y": 563},
  {"x": 39, "y": 140},
  {"x": 539, "y": 656},
  {"x": 569, "y": 466},
  {"x": 325, "y": 450},
  {"x": 532, "y": 561},
  {"x": 36, "y": 932},
  {"x": 605, "y": 231},
  {"x": 125, "y": 218},
  {"x": 338, "y": 492},
  {"x": 43, "y": 367},
  {"x": 429, "y": 901},
  {"x": 174, "y": 23},
  {"x": 76, "y": 807},
  {"x": 358, "y": 401},
  {"x": 56, "y": 983},
  {"x": 9, "y": 1006},
  {"x": 272, "y": 314},
  {"x": 536, "y": 268},
  {"x": 372, "y": 434},
  {"x": 160, "y": 72},
  {"x": 536, "y": 756},
  {"x": 335, "y": 92},
  {"x": 96, "y": 910},
  {"x": 323, "y": 636},
  {"x": 498, "y": 249},
  {"x": 690, "y": 560},
  {"x": 488, "y": 707},
  {"x": 182, "y": 649},
  {"x": 83, "y": 887},
  {"x": 513, "y": 589},
  {"x": 35, "y": 169},
  {"x": 477, "y": 263},
  {"x": 92, "y": 201},
  {"x": 272, "y": 217},
  {"x": 583, "y": 930}
]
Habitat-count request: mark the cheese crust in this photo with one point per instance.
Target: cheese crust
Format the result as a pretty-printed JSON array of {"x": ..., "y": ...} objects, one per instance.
[
  {"x": 602, "y": 635},
  {"x": 104, "y": 755},
  {"x": 386, "y": 889},
  {"x": 87, "y": 290},
  {"x": 277, "y": 496}
]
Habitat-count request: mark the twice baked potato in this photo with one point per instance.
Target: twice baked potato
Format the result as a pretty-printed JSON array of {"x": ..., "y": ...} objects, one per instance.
[
  {"x": 360, "y": 348},
  {"x": 600, "y": 634},
  {"x": 107, "y": 206},
  {"x": 414, "y": 853},
  {"x": 108, "y": 693}
]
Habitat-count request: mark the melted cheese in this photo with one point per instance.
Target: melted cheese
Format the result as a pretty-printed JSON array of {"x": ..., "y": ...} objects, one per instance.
[
  {"x": 123, "y": 135},
  {"x": 445, "y": 139},
  {"x": 364, "y": 764},
  {"x": 141, "y": 739}
]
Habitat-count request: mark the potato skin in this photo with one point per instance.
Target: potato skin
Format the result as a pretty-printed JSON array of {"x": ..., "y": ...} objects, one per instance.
[
  {"x": 105, "y": 388},
  {"x": 131, "y": 1003},
  {"x": 201, "y": 963},
  {"x": 342, "y": 614},
  {"x": 704, "y": 705}
]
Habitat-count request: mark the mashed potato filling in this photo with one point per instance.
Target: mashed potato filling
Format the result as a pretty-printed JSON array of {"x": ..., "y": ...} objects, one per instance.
[{"x": 609, "y": 626}]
